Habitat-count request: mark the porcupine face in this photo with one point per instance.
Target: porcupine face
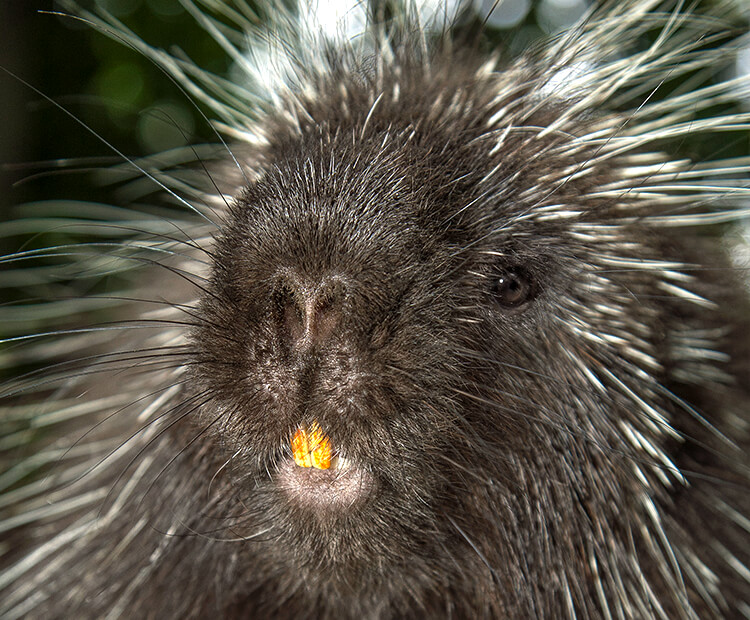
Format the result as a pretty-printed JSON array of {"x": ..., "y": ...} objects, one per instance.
[{"x": 378, "y": 282}]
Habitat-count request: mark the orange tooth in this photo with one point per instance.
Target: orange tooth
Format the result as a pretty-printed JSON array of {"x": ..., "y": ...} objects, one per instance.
[
  {"x": 311, "y": 448},
  {"x": 299, "y": 449}
]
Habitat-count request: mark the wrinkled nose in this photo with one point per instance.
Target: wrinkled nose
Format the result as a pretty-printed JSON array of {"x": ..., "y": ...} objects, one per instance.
[{"x": 309, "y": 313}]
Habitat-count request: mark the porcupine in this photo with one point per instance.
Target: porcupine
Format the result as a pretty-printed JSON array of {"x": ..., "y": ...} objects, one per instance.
[{"x": 490, "y": 288}]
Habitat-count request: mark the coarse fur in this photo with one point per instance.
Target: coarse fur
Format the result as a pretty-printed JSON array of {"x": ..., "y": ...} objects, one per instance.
[{"x": 490, "y": 286}]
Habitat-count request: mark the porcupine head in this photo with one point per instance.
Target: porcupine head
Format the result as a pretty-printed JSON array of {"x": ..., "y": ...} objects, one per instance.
[{"x": 449, "y": 340}]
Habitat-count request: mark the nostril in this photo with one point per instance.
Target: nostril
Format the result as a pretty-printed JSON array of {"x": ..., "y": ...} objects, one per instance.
[
  {"x": 293, "y": 320},
  {"x": 327, "y": 314},
  {"x": 309, "y": 315}
]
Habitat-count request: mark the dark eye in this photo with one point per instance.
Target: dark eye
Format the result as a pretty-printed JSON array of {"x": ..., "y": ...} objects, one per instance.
[{"x": 513, "y": 288}]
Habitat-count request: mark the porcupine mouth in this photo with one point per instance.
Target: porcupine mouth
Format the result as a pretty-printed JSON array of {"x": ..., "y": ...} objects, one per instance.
[
  {"x": 317, "y": 477},
  {"x": 338, "y": 488}
]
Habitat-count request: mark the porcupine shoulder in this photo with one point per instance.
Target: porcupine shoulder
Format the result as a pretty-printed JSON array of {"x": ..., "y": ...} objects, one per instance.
[{"x": 493, "y": 295}]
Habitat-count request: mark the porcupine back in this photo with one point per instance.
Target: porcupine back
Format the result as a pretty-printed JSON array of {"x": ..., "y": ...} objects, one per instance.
[{"x": 489, "y": 284}]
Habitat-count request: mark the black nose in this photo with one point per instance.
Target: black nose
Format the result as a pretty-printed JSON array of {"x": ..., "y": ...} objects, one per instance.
[{"x": 309, "y": 313}]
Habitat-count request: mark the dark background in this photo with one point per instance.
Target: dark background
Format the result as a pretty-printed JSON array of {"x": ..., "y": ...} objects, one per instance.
[{"x": 105, "y": 84}]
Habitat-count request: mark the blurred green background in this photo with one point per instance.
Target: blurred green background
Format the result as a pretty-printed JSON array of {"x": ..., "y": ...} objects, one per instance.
[{"x": 108, "y": 86}]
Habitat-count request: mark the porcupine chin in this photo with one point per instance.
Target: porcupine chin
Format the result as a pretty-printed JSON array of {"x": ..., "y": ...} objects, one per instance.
[{"x": 488, "y": 284}]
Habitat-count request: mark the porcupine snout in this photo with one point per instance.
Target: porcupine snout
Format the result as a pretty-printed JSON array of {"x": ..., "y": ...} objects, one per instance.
[{"x": 308, "y": 312}]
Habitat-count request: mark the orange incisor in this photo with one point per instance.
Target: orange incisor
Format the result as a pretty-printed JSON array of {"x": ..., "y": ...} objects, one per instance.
[{"x": 311, "y": 447}]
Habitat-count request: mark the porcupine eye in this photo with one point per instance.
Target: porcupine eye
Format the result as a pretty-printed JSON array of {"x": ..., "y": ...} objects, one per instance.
[{"x": 513, "y": 287}]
